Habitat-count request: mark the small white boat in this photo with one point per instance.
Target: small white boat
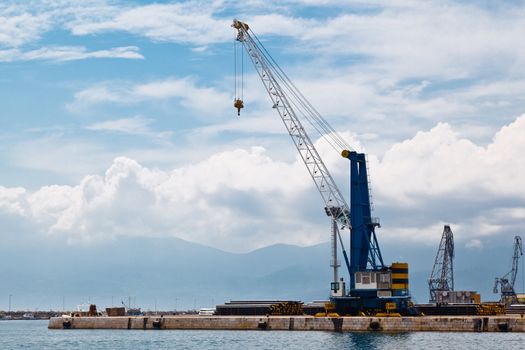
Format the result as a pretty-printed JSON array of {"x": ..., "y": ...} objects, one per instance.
[{"x": 206, "y": 311}]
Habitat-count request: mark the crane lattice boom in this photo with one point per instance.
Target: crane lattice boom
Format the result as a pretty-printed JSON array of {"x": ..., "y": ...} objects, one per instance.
[
  {"x": 506, "y": 283},
  {"x": 294, "y": 109},
  {"x": 442, "y": 276},
  {"x": 373, "y": 286},
  {"x": 271, "y": 77}
]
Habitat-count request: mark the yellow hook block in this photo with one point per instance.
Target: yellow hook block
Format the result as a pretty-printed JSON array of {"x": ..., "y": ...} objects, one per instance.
[{"x": 238, "y": 104}]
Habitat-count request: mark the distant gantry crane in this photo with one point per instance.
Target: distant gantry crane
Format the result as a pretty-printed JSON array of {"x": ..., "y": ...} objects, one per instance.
[
  {"x": 442, "y": 276},
  {"x": 506, "y": 283},
  {"x": 441, "y": 281}
]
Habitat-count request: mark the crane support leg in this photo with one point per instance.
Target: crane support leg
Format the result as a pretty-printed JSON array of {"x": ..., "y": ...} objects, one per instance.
[{"x": 335, "y": 263}]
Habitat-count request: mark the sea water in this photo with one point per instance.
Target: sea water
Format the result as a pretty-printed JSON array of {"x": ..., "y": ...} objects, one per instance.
[{"x": 35, "y": 335}]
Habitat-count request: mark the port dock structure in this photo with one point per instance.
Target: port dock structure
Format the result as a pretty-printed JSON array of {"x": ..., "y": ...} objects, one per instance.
[{"x": 506, "y": 323}]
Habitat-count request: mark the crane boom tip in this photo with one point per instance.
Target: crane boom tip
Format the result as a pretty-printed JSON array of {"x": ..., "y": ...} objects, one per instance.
[{"x": 240, "y": 25}]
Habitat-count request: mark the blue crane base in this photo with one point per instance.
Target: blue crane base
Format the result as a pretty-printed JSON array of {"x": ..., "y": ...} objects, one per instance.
[
  {"x": 364, "y": 248},
  {"x": 372, "y": 304}
]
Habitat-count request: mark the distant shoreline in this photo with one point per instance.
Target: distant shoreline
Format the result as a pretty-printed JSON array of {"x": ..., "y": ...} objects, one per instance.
[{"x": 47, "y": 314}]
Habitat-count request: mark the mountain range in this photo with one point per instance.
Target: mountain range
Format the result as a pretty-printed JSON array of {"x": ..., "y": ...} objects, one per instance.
[{"x": 170, "y": 273}]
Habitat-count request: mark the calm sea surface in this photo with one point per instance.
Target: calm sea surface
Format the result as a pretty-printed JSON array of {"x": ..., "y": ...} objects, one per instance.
[{"x": 35, "y": 335}]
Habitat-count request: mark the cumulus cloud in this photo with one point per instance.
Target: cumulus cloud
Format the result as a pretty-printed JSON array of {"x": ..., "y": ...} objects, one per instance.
[
  {"x": 243, "y": 199},
  {"x": 204, "y": 202},
  {"x": 439, "y": 176},
  {"x": 12, "y": 200},
  {"x": 439, "y": 162}
]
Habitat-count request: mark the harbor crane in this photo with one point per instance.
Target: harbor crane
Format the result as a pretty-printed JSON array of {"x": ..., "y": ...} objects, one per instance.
[
  {"x": 442, "y": 276},
  {"x": 374, "y": 287},
  {"x": 506, "y": 283}
]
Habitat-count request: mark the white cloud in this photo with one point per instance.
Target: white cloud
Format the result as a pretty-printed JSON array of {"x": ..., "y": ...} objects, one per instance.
[
  {"x": 202, "y": 99},
  {"x": 19, "y": 27},
  {"x": 407, "y": 65},
  {"x": 23, "y": 24},
  {"x": 199, "y": 49},
  {"x": 474, "y": 244},
  {"x": 132, "y": 126},
  {"x": 441, "y": 163},
  {"x": 427, "y": 38},
  {"x": 374, "y": 106},
  {"x": 406, "y": 39},
  {"x": 12, "y": 200},
  {"x": 50, "y": 155},
  {"x": 198, "y": 202},
  {"x": 242, "y": 199},
  {"x": 429, "y": 234},
  {"x": 136, "y": 125},
  {"x": 68, "y": 53},
  {"x": 190, "y": 22},
  {"x": 102, "y": 93},
  {"x": 251, "y": 124},
  {"x": 417, "y": 64}
]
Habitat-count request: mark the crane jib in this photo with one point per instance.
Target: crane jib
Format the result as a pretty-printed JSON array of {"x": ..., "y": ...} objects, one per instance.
[
  {"x": 324, "y": 182},
  {"x": 294, "y": 108}
]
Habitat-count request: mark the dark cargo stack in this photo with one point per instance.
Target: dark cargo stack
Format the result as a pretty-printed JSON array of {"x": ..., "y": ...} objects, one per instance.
[
  {"x": 516, "y": 309},
  {"x": 448, "y": 309},
  {"x": 260, "y": 307},
  {"x": 116, "y": 311}
]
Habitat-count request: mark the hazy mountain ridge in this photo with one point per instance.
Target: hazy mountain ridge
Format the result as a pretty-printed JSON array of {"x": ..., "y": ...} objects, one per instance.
[{"x": 182, "y": 274}]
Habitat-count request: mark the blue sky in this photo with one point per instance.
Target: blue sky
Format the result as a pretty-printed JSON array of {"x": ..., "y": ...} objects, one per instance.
[{"x": 112, "y": 110}]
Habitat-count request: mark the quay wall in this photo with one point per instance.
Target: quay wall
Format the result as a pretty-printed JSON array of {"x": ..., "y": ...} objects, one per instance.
[{"x": 508, "y": 323}]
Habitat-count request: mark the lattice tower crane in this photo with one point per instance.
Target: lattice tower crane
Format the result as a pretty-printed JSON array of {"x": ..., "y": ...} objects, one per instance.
[
  {"x": 506, "y": 283},
  {"x": 442, "y": 276},
  {"x": 294, "y": 109}
]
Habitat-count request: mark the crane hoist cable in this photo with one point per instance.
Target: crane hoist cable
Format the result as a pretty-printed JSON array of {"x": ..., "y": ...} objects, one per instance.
[
  {"x": 304, "y": 106},
  {"x": 238, "y": 81},
  {"x": 295, "y": 111},
  {"x": 295, "y": 97}
]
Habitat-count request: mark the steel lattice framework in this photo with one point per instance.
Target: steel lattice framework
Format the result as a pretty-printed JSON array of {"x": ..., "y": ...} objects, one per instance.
[
  {"x": 442, "y": 276},
  {"x": 270, "y": 77},
  {"x": 507, "y": 281}
]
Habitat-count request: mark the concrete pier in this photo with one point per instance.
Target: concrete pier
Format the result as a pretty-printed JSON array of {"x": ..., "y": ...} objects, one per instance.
[{"x": 508, "y": 323}]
